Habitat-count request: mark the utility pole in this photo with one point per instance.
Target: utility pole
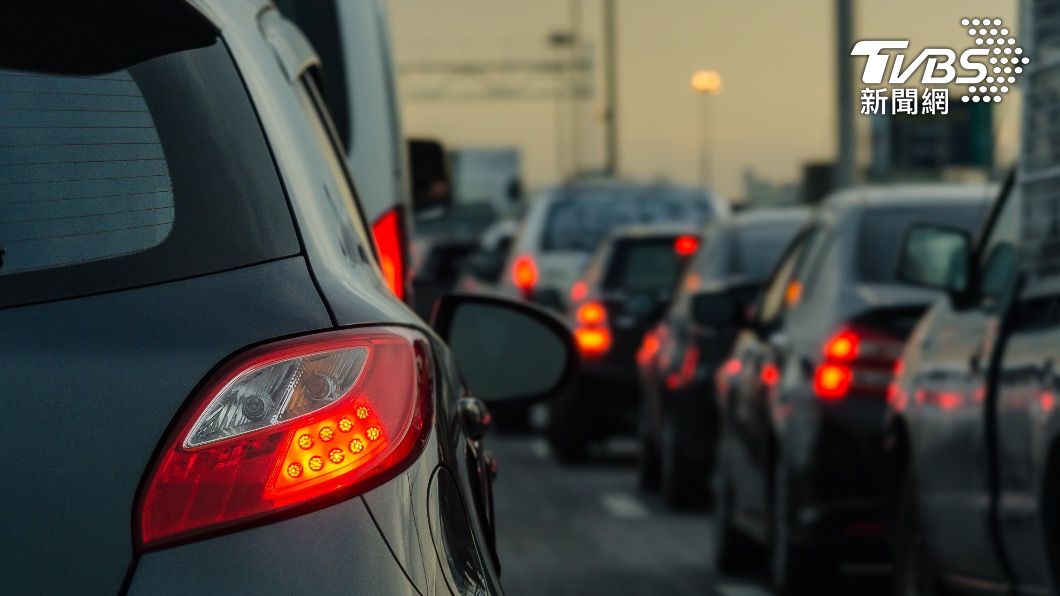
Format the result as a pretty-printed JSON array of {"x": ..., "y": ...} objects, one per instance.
[
  {"x": 846, "y": 158},
  {"x": 611, "y": 90},
  {"x": 575, "y": 8}
]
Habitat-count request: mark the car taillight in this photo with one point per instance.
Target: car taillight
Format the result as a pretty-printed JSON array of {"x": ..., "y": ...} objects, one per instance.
[
  {"x": 299, "y": 423},
  {"x": 389, "y": 234},
  {"x": 524, "y": 273},
  {"x": 856, "y": 360},
  {"x": 649, "y": 347},
  {"x": 591, "y": 314},
  {"x": 686, "y": 246},
  {"x": 593, "y": 341},
  {"x": 579, "y": 290},
  {"x": 592, "y": 334}
]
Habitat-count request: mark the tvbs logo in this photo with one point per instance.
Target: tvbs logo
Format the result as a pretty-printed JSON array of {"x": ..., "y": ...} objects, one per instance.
[{"x": 987, "y": 69}]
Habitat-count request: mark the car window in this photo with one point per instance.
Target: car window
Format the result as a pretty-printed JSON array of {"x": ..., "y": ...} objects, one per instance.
[
  {"x": 350, "y": 218},
  {"x": 775, "y": 295},
  {"x": 882, "y": 230},
  {"x": 644, "y": 266},
  {"x": 998, "y": 256},
  {"x": 758, "y": 247},
  {"x": 104, "y": 186},
  {"x": 578, "y": 219}
]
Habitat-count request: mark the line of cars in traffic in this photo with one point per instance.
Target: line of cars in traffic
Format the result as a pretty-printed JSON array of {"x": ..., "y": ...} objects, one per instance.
[
  {"x": 216, "y": 383},
  {"x": 859, "y": 383}
]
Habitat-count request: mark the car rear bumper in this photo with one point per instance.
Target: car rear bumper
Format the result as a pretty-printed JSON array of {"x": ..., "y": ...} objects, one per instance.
[
  {"x": 837, "y": 475},
  {"x": 331, "y": 551}
]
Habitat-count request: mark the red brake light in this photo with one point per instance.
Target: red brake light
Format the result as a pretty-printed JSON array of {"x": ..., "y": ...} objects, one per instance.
[
  {"x": 769, "y": 375},
  {"x": 390, "y": 244},
  {"x": 842, "y": 346},
  {"x": 686, "y": 245},
  {"x": 649, "y": 347},
  {"x": 858, "y": 359},
  {"x": 593, "y": 341},
  {"x": 578, "y": 291},
  {"x": 831, "y": 381},
  {"x": 732, "y": 367},
  {"x": 524, "y": 273},
  {"x": 307, "y": 421},
  {"x": 591, "y": 314}
]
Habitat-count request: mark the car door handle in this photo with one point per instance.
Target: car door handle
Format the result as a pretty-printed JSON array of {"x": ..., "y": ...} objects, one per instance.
[{"x": 475, "y": 417}]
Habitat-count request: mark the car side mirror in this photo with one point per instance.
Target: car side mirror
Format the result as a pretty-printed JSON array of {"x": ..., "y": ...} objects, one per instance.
[
  {"x": 936, "y": 257},
  {"x": 507, "y": 351},
  {"x": 716, "y": 310},
  {"x": 432, "y": 190},
  {"x": 486, "y": 266}
]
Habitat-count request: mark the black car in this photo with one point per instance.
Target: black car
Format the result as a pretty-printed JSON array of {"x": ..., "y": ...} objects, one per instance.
[
  {"x": 629, "y": 282},
  {"x": 209, "y": 387},
  {"x": 973, "y": 429},
  {"x": 802, "y": 401},
  {"x": 678, "y": 357}
]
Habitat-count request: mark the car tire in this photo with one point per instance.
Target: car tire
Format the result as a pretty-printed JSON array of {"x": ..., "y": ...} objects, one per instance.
[
  {"x": 683, "y": 483},
  {"x": 566, "y": 432},
  {"x": 914, "y": 572},
  {"x": 734, "y": 551},
  {"x": 795, "y": 568}
]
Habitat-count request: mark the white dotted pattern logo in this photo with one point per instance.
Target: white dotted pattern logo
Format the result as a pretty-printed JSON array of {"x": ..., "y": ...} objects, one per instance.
[{"x": 1007, "y": 60}]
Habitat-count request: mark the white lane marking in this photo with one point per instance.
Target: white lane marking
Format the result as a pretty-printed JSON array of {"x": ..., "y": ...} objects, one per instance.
[
  {"x": 624, "y": 506},
  {"x": 539, "y": 447},
  {"x": 739, "y": 590}
]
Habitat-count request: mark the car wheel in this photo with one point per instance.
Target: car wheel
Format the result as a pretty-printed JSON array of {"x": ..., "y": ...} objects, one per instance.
[
  {"x": 566, "y": 433},
  {"x": 682, "y": 486},
  {"x": 795, "y": 568},
  {"x": 914, "y": 574},
  {"x": 734, "y": 551}
]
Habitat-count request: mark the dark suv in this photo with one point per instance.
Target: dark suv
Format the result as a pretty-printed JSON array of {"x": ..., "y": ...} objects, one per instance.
[
  {"x": 678, "y": 357},
  {"x": 210, "y": 389},
  {"x": 801, "y": 405},
  {"x": 627, "y": 286}
]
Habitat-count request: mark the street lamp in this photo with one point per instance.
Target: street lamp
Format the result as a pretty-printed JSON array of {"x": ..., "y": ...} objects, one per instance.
[{"x": 705, "y": 83}]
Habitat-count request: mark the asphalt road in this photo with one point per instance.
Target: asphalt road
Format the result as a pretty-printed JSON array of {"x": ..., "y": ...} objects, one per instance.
[{"x": 588, "y": 529}]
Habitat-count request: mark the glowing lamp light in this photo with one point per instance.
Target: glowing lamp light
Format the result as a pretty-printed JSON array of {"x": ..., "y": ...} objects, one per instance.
[
  {"x": 524, "y": 273},
  {"x": 686, "y": 245},
  {"x": 591, "y": 313},
  {"x": 593, "y": 341},
  {"x": 706, "y": 81},
  {"x": 831, "y": 381},
  {"x": 578, "y": 291}
]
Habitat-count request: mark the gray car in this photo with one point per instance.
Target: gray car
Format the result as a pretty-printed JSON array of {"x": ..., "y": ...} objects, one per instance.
[{"x": 210, "y": 389}]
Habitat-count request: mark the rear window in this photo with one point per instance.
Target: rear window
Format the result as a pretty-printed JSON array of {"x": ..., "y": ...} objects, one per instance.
[
  {"x": 129, "y": 154},
  {"x": 644, "y": 266},
  {"x": 758, "y": 247},
  {"x": 580, "y": 218},
  {"x": 882, "y": 231}
]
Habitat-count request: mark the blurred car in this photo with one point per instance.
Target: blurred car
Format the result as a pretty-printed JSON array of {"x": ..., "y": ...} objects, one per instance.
[
  {"x": 973, "y": 430},
  {"x": 564, "y": 225},
  {"x": 226, "y": 396},
  {"x": 627, "y": 286},
  {"x": 678, "y": 357},
  {"x": 352, "y": 39},
  {"x": 801, "y": 401}
]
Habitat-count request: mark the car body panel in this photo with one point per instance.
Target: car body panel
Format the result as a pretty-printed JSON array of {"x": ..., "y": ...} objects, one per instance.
[{"x": 145, "y": 349}]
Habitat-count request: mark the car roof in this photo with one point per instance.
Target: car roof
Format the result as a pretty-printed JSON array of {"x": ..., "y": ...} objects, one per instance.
[
  {"x": 909, "y": 195},
  {"x": 754, "y": 217},
  {"x": 647, "y": 231}
]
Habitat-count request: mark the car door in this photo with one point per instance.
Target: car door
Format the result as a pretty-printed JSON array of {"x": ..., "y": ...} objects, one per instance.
[
  {"x": 951, "y": 393},
  {"x": 746, "y": 407},
  {"x": 1026, "y": 431}
]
